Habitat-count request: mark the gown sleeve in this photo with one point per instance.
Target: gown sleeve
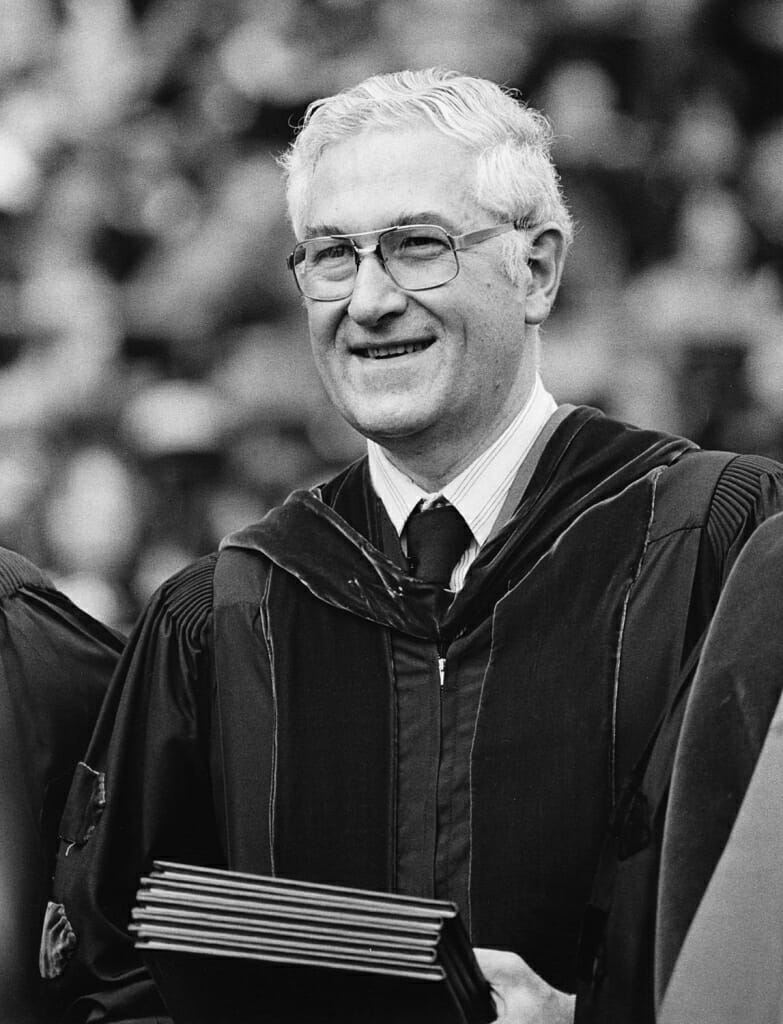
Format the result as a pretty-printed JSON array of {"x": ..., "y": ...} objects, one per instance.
[
  {"x": 142, "y": 792},
  {"x": 678, "y": 839},
  {"x": 55, "y": 666},
  {"x": 726, "y": 715},
  {"x": 734, "y": 695},
  {"x": 749, "y": 491}
]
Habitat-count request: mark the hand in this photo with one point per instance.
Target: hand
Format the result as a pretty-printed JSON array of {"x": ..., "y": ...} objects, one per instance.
[{"x": 521, "y": 995}]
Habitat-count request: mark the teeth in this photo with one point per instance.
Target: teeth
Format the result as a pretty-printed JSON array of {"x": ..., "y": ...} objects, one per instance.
[{"x": 395, "y": 350}]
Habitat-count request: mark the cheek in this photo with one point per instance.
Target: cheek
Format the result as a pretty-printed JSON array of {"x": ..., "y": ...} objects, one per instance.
[{"x": 323, "y": 323}]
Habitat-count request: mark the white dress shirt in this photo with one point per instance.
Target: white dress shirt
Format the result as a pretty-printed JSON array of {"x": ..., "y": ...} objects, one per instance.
[{"x": 478, "y": 492}]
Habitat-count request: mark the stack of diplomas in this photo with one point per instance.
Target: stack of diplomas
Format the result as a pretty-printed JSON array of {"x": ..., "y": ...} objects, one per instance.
[{"x": 231, "y": 948}]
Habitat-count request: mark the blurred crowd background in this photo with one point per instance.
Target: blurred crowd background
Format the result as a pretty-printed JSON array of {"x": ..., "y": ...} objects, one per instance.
[{"x": 156, "y": 390}]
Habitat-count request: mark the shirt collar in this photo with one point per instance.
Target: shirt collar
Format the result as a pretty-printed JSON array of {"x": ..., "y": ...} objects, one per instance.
[{"x": 479, "y": 491}]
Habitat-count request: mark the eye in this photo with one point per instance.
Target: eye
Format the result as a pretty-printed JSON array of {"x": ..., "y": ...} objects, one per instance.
[
  {"x": 337, "y": 251},
  {"x": 420, "y": 245}
]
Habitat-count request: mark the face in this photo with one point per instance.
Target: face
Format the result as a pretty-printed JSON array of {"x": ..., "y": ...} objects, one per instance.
[{"x": 442, "y": 370}]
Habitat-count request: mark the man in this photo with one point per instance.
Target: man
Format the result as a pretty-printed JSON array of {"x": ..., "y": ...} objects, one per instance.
[
  {"x": 328, "y": 699},
  {"x": 55, "y": 665}
]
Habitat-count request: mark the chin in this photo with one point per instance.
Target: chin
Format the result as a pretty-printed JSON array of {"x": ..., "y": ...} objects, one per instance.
[{"x": 385, "y": 427}]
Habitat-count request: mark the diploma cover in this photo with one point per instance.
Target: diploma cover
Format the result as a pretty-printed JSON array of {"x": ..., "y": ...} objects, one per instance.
[{"x": 226, "y": 947}]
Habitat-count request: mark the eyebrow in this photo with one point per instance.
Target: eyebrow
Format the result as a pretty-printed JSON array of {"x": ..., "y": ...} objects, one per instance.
[{"x": 420, "y": 217}]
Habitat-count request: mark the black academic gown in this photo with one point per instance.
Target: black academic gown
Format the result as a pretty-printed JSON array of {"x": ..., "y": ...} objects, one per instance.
[
  {"x": 252, "y": 719},
  {"x": 55, "y": 665},
  {"x": 727, "y": 802}
]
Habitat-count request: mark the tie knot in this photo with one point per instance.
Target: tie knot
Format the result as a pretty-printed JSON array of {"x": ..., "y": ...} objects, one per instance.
[{"x": 437, "y": 536}]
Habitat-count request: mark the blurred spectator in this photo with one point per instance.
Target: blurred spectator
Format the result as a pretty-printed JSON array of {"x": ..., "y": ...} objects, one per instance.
[{"x": 705, "y": 313}]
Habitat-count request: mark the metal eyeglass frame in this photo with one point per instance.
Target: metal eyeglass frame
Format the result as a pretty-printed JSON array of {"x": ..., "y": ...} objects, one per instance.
[{"x": 456, "y": 242}]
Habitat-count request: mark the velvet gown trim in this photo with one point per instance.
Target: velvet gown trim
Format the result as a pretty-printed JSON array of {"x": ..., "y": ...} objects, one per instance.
[{"x": 589, "y": 459}]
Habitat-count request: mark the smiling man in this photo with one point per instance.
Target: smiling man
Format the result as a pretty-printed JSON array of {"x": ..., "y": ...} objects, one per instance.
[
  {"x": 433, "y": 372},
  {"x": 434, "y": 673}
]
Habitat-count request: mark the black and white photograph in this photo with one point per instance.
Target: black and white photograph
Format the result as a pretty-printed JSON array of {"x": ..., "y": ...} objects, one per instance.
[{"x": 391, "y": 512}]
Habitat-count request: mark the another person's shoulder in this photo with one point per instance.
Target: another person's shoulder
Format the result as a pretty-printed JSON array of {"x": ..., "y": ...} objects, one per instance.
[
  {"x": 17, "y": 572},
  {"x": 38, "y": 615}
]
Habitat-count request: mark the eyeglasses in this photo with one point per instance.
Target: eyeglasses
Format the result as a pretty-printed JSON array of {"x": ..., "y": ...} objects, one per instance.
[{"x": 415, "y": 256}]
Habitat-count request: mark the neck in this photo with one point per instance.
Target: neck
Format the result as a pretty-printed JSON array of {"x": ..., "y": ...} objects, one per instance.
[
  {"x": 432, "y": 465},
  {"x": 435, "y": 455},
  {"x": 428, "y": 470}
]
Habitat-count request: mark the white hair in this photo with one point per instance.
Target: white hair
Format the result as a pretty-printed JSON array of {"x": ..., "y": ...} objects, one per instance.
[{"x": 515, "y": 177}]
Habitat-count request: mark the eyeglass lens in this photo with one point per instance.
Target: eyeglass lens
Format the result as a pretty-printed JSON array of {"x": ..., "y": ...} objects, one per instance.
[{"x": 416, "y": 257}]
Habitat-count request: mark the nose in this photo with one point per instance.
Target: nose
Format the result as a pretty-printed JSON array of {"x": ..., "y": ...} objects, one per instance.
[{"x": 375, "y": 295}]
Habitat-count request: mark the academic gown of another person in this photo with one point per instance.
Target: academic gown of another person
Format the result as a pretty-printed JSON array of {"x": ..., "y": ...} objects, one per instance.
[
  {"x": 55, "y": 665},
  {"x": 280, "y": 706},
  {"x": 727, "y": 797}
]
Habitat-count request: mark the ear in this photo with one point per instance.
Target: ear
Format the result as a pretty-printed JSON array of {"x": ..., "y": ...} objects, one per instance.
[{"x": 545, "y": 268}]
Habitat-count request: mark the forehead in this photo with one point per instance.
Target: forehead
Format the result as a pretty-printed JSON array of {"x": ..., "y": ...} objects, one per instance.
[{"x": 379, "y": 178}]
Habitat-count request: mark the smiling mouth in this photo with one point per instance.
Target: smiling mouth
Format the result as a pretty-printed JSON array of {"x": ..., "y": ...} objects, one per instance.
[{"x": 390, "y": 351}]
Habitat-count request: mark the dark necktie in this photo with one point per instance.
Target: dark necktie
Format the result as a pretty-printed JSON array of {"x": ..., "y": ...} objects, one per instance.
[{"x": 437, "y": 536}]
